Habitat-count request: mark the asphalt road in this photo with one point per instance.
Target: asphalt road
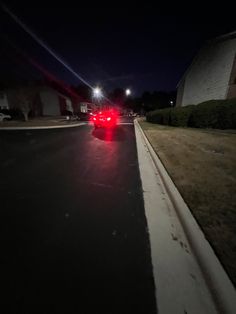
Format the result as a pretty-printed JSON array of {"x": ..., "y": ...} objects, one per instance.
[{"x": 74, "y": 237}]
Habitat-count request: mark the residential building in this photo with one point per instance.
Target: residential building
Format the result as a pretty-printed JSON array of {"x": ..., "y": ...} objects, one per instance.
[
  {"x": 212, "y": 74},
  {"x": 47, "y": 100}
]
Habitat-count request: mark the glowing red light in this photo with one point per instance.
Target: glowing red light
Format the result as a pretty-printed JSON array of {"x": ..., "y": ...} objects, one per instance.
[{"x": 106, "y": 118}]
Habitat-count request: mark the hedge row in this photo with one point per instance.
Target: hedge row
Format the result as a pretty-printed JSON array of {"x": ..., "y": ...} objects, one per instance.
[{"x": 218, "y": 114}]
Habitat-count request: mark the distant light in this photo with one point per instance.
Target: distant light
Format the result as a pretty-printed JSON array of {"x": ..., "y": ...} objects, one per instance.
[
  {"x": 171, "y": 103},
  {"x": 97, "y": 92},
  {"x": 128, "y": 92}
]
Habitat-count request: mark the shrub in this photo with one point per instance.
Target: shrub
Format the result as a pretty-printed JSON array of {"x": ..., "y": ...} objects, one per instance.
[
  {"x": 227, "y": 115},
  {"x": 166, "y": 116},
  {"x": 220, "y": 114},
  {"x": 205, "y": 115},
  {"x": 161, "y": 116},
  {"x": 180, "y": 116},
  {"x": 154, "y": 116}
]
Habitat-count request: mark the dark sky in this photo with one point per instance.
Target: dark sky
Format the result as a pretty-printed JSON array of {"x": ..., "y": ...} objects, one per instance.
[{"x": 121, "y": 44}]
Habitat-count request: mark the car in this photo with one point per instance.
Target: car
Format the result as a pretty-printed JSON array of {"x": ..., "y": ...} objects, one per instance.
[
  {"x": 105, "y": 119},
  {"x": 73, "y": 117},
  {"x": 4, "y": 117},
  {"x": 84, "y": 116}
]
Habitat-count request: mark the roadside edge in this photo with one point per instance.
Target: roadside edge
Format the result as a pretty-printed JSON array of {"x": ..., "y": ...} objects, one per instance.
[{"x": 222, "y": 289}]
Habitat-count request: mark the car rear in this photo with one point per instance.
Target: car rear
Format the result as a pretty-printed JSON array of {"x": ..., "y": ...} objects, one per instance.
[{"x": 105, "y": 119}]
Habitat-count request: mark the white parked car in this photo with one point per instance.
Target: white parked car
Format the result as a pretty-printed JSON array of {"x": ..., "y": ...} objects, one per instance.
[{"x": 4, "y": 117}]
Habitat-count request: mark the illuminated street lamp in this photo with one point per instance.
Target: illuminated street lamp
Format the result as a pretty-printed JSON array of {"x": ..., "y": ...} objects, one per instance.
[
  {"x": 171, "y": 103},
  {"x": 97, "y": 93},
  {"x": 127, "y": 92},
  {"x": 96, "y": 96}
]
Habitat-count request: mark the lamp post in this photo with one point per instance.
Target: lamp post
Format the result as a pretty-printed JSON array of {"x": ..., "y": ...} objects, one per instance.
[
  {"x": 128, "y": 93},
  {"x": 97, "y": 95}
]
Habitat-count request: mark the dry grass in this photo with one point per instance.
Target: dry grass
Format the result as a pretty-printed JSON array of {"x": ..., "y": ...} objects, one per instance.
[{"x": 202, "y": 163}]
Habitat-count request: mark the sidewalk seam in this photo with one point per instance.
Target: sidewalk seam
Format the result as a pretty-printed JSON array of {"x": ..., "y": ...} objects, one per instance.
[{"x": 218, "y": 282}]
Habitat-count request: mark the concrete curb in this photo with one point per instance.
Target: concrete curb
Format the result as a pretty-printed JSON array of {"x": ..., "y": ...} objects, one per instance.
[
  {"x": 41, "y": 127},
  {"x": 222, "y": 289}
]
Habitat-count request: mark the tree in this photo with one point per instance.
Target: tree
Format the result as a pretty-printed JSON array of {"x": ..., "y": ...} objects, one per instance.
[
  {"x": 117, "y": 96},
  {"x": 23, "y": 99},
  {"x": 158, "y": 100}
]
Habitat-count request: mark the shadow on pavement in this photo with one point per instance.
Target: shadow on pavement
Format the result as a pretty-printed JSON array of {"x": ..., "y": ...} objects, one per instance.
[{"x": 116, "y": 134}]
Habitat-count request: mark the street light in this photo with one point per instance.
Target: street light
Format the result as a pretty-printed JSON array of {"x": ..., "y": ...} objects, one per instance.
[
  {"x": 96, "y": 96},
  {"x": 171, "y": 103},
  {"x": 97, "y": 93},
  {"x": 128, "y": 92}
]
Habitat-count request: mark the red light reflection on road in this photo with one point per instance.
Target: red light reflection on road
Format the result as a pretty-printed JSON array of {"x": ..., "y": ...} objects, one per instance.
[{"x": 109, "y": 134}]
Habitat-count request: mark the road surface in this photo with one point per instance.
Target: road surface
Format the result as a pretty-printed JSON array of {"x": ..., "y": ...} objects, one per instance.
[{"x": 74, "y": 237}]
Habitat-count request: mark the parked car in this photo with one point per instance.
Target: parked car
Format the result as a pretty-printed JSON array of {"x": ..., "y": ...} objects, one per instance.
[
  {"x": 84, "y": 116},
  {"x": 4, "y": 117},
  {"x": 73, "y": 117}
]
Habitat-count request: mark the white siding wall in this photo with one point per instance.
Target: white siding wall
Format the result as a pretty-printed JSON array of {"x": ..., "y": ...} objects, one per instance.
[
  {"x": 208, "y": 76},
  {"x": 69, "y": 105},
  {"x": 50, "y": 103},
  {"x": 3, "y": 101}
]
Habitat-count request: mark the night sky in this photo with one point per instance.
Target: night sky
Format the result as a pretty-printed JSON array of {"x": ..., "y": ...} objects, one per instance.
[{"x": 121, "y": 44}]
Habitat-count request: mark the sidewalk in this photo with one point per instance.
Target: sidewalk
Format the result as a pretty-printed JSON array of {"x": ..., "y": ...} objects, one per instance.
[
  {"x": 188, "y": 276},
  {"x": 40, "y": 123}
]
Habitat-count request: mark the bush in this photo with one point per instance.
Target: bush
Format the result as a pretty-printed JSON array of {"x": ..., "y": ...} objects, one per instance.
[
  {"x": 180, "y": 116},
  {"x": 218, "y": 114},
  {"x": 205, "y": 115},
  {"x": 227, "y": 115},
  {"x": 161, "y": 116}
]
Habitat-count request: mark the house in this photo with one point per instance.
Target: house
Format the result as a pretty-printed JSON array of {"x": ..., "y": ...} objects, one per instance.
[
  {"x": 44, "y": 100},
  {"x": 3, "y": 101},
  {"x": 53, "y": 102},
  {"x": 87, "y": 107},
  {"x": 212, "y": 74}
]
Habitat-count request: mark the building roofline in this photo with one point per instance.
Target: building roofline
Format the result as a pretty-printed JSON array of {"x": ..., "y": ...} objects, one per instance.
[
  {"x": 209, "y": 41},
  {"x": 188, "y": 68},
  {"x": 222, "y": 37}
]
